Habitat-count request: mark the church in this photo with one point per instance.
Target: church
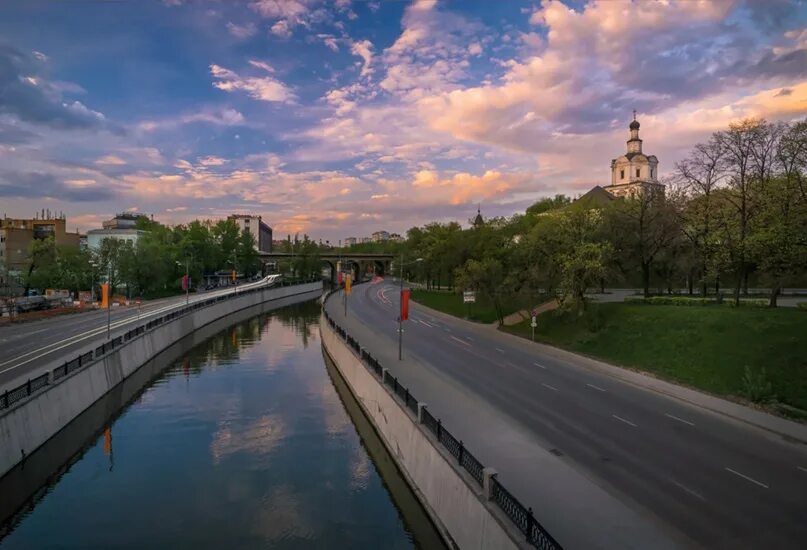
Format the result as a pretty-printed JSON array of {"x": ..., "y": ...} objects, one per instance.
[{"x": 634, "y": 173}]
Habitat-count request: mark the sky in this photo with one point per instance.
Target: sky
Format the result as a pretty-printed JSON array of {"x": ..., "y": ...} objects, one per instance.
[{"x": 337, "y": 118}]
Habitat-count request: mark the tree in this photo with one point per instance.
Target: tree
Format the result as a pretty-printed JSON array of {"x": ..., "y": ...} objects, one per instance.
[
  {"x": 249, "y": 260},
  {"x": 484, "y": 276}
]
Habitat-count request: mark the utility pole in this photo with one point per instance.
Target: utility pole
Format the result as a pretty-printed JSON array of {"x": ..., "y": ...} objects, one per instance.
[{"x": 400, "y": 308}]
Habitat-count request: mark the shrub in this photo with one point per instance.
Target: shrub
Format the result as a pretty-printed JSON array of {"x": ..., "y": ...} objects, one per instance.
[
  {"x": 756, "y": 385},
  {"x": 694, "y": 301},
  {"x": 802, "y": 305}
]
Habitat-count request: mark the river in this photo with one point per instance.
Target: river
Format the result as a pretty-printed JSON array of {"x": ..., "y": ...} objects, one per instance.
[{"x": 245, "y": 440}]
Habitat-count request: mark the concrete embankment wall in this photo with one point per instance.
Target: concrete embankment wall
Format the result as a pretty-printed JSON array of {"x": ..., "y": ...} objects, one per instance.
[
  {"x": 28, "y": 425},
  {"x": 465, "y": 517}
]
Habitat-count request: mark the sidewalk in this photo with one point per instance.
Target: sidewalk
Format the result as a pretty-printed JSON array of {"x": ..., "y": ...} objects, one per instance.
[{"x": 574, "y": 509}]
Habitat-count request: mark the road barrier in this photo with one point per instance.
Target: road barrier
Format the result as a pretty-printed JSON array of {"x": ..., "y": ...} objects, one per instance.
[
  {"x": 34, "y": 385},
  {"x": 521, "y": 516}
]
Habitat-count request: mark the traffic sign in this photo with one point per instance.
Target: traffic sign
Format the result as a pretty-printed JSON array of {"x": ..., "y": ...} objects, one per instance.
[{"x": 469, "y": 297}]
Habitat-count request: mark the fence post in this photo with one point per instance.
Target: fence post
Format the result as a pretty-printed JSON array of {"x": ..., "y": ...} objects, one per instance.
[
  {"x": 421, "y": 408},
  {"x": 5, "y": 400},
  {"x": 28, "y": 386},
  {"x": 439, "y": 429},
  {"x": 462, "y": 451},
  {"x": 383, "y": 376},
  {"x": 488, "y": 476},
  {"x": 530, "y": 523},
  {"x": 406, "y": 397}
]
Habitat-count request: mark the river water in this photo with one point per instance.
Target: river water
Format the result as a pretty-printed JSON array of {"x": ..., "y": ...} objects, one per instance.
[{"x": 242, "y": 442}]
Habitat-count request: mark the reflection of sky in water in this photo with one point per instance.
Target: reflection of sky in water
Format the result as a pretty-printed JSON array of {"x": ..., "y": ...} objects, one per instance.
[{"x": 244, "y": 443}]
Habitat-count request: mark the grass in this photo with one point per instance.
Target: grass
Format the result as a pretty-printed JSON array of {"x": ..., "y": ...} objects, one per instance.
[
  {"x": 482, "y": 311},
  {"x": 754, "y": 354}
]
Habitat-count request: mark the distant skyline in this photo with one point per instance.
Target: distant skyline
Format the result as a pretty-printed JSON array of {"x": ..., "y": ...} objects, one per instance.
[{"x": 339, "y": 118}]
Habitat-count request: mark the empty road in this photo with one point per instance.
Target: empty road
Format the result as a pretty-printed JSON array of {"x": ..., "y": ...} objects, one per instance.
[{"x": 718, "y": 482}]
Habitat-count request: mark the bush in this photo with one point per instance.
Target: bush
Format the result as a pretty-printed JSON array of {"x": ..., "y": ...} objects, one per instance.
[
  {"x": 802, "y": 305},
  {"x": 756, "y": 386},
  {"x": 694, "y": 301}
]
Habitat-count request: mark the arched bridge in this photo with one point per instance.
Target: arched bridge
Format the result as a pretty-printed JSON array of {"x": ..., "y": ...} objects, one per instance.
[{"x": 359, "y": 264}]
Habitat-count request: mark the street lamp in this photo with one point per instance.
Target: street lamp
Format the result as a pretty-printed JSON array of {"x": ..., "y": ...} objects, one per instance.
[
  {"x": 400, "y": 307},
  {"x": 93, "y": 265},
  {"x": 109, "y": 297}
]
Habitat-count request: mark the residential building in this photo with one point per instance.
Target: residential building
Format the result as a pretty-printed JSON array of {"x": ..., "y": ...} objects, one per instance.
[
  {"x": 255, "y": 226},
  {"x": 14, "y": 244},
  {"x": 396, "y": 237},
  {"x": 43, "y": 227},
  {"x": 350, "y": 241},
  {"x": 122, "y": 227},
  {"x": 379, "y": 236},
  {"x": 366, "y": 240}
]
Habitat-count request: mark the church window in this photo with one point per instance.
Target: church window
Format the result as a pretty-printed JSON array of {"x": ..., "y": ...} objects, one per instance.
[
  {"x": 637, "y": 172},
  {"x": 622, "y": 174},
  {"x": 651, "y": 172}
]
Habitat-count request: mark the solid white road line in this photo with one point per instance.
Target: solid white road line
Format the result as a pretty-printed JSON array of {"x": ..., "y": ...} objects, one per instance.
[
  {"x": 628, "y": 422},
  {"x": 592, "y": 386},
  {"x": 539, "y": 365},
  {"x": 687, "y": 422},
  {"x": 802, "y": 469},
  {"x": 752, "y": 480},
  {"x": 500, "y": 350},
  {"x": 690, "y": 491},
  {"x": 550, "y": 387},
  {"x": 469, "y": 338},
  {"x": 463, "y": 342}
]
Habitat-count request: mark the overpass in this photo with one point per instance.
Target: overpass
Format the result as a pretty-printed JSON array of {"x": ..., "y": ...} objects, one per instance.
[{"x": 358, "y": 263}]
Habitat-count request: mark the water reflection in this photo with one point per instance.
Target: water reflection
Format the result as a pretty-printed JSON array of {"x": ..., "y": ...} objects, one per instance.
[{"x": 242, "y": 442}]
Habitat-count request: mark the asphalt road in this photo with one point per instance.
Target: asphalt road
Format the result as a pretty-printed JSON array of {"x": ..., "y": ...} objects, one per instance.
[
  {"x": 720, "y": 483},
  {"x": 26, "y": 348}
]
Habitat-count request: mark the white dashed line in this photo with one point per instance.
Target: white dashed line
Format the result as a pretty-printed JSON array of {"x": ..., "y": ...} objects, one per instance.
[
  {"x": 802, "y": 469},
  {"x": 687, "y": 422},
  {"x": 628, "y": 422},
  {"x": 539, "y": 365},
  {"x": 752, "y": 480},
  {"x": 690, "y": 491},
  {"x": 595, "y": 387},
  {"x": 550, "y": 387},
  {"x": 469, "y": 338},
  {"x": 463, "y": 342},
  {"x": 500, "y": 350}
]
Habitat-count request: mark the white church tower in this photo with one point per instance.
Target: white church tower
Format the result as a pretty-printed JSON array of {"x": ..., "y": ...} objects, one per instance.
[{"x": 634, "y": 172}]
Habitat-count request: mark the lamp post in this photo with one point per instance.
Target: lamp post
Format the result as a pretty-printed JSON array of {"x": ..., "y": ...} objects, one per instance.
[
  {"x": 109, "y": 297},
  {"x": 93, "y": 265},
  {"x": 400, "y": 307}
]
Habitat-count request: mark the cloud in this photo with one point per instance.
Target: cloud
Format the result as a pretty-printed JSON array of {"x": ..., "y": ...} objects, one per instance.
[
  {"x": 38, "y": 185},
  {"x": 242, "y": 31},
  {"x": 216, "y": 116},
  {"x": 264, "y": 88},
  {"x": 363, "y": 49},
  {"x": 110, "y": 160},
  {"x": 29, "y": 97}
]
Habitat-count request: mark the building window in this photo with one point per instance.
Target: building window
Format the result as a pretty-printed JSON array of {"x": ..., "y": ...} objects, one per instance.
[
  {"x": 651, "y": 172},
  {"x": 622, "y": 174},
  {"x": 637, "y": 172}
]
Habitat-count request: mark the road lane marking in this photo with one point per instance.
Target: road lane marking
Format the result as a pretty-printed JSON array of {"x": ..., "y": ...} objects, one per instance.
[
  {"x": 628, "y": 422},
  {"x": 500, "y": 350},
  {"x": 421, "y": 321},
  {"x": 751, "y": 479},
  {"x": 463, "y": 342},
  {"x": 539, "y": 365},
  {"x": 802, "y": 469},
  {"x": 469, "y": 338},
  {"x": 550, "y": 387},
  {"x": 690, "y": 491},
  {"x": 679, "y": 419},
  {"x": 447, "y": 329},
  {"x": 595, "y": 387}
]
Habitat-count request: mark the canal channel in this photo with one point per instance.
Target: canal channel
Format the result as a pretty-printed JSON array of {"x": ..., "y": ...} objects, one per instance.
[{"x": 247, "y": 439}]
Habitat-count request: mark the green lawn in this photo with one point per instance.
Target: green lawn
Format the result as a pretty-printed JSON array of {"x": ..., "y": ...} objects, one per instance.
[
  {"x": 482, "y": 311},
  {"x": 707, "y": 347}
]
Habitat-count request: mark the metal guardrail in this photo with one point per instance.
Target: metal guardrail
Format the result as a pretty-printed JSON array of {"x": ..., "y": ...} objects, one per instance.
[
  {"x": 521, "y": 516},
  {"x": 33, "y": 385}
]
